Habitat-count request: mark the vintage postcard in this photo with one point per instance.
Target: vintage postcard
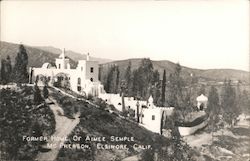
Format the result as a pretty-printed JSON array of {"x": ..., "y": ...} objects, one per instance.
[{"x": 124, "y": 80}]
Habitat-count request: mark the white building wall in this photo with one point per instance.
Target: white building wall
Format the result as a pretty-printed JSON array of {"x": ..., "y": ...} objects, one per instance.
[
  {"x": 92, "y": 71},
  {"x": 62, "y": 63},
  {"x": 146, "y": 114},
  {"x": 151, "y": 119},
  {"x": 114, "y": 99},
  {"x": 83, "y": 71}
]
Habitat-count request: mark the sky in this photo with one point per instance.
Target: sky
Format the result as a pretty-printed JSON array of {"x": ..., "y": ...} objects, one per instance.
[{"x": 196, "y": 33}]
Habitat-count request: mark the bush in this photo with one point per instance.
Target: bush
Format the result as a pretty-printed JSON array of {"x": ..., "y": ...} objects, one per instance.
[
  {"x": 37, "y": 95},
  {"x": 45, "y": 92},
  {"x": 15, "y": 125}
]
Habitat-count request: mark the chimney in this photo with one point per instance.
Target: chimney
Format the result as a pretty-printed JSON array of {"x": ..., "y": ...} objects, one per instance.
[{"x": 87, "y": 57}]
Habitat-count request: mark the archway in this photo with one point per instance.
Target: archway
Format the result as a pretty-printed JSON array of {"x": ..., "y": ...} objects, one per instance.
[
  {"x": 62, "y": 80},
  {"x": 79, "y": 85},
  {"x": 40, "y": 79}
]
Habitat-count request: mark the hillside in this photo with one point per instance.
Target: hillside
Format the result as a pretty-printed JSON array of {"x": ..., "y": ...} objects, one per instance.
[
  {"x": 98, "y": 122},
  {"x": 74, "y": 55},
  {"x": 209, "y": 74},
  {"x": 36, "y": 56}
]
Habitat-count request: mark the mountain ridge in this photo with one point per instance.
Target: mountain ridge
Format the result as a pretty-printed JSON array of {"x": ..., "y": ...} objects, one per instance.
[
  {"x": 39, "y": 55},
  {"x": 72, "y": 54},
  {"x": 207, "y": 74}
]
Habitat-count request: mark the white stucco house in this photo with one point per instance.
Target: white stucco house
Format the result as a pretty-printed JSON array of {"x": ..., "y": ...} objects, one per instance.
[
  {"x": 150, "y": 116},
  {"x": 83, "y": 79}
]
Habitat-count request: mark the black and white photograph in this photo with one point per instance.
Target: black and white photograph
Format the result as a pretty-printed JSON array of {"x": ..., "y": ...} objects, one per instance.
[{"x": 106, "y": 80}]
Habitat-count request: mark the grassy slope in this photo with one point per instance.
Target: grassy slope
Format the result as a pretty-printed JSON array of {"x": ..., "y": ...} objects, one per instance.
[{"x": 98, "y": 122}]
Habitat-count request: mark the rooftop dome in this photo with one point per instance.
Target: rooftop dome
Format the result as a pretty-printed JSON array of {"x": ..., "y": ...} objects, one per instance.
[
  {"x": 46, "y": 65},
  {"x": 150, "y": 99},
  {"x": 201, "y": 98}
]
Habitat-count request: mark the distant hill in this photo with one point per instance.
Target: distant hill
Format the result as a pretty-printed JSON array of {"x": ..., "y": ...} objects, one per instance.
[
  {"x": 36, "y": 56},
  {"x": 73, "y": 55},
  {"x": 39, "y": 55},
  {"x": 209, "y": 74}
]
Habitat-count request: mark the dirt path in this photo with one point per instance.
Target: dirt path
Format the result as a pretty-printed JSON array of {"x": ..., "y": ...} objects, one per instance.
[{"x": 64, "y": 126}]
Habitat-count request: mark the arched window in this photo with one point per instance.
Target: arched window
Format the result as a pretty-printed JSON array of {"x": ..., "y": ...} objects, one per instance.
[
  {"x": 79, "y": 81},
  {"x": 91, "y": 70},
  {"x": 91, "y": 79},
  {"x": 201, "y": 106},
  {"x": 79, "y": 84}
]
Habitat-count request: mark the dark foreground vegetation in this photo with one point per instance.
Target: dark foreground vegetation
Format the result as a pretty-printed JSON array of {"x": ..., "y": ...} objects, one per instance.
[{"x": 21, "y": 115}]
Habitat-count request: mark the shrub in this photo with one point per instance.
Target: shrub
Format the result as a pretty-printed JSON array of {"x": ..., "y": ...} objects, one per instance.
[
  {"x": 45, "y": 92},
  {"x": 25, "y": 119},
  {"x": 37, "y": 95}
]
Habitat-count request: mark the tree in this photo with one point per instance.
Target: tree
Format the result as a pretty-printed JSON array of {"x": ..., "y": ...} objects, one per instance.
[
  {"x": 202, "y": 90},
  {"x": 20, "y": 68},
  {"x": 37, "y": 95},
  {"x": 3, "y": 73},
  {"x": 45, "y": 92},
  {"x": 163, "y": 88},
  {"x": 123, "y": 88},
  {"x": 129, "y": 80},
  {"x": 213, "y": 108},
  {"x": 213, "y": 102},
  {"x": 176, "y": 83},
  {"x": 136, "y": 83},
  {"x": 155, "y": 88},
  {"x": 113, "y": 78},
  {"x": 244, "y": 102},
  {"x": 6, "y": 70},
  {"x": 228, "y": 103},
  {"x": 100, "y": 72},
  {"x": 108, "y": 82},
  {"x": 156, "y": 77},
  {"x": 117, "y": 80},
  {"x": 145, "y": 77}
]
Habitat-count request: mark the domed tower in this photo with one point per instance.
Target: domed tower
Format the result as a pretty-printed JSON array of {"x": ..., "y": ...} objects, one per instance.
[
  {"x": 62, "y": 62},
  {"x": 150, "y": 102},
  {"x": 202, "y": 102}
]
